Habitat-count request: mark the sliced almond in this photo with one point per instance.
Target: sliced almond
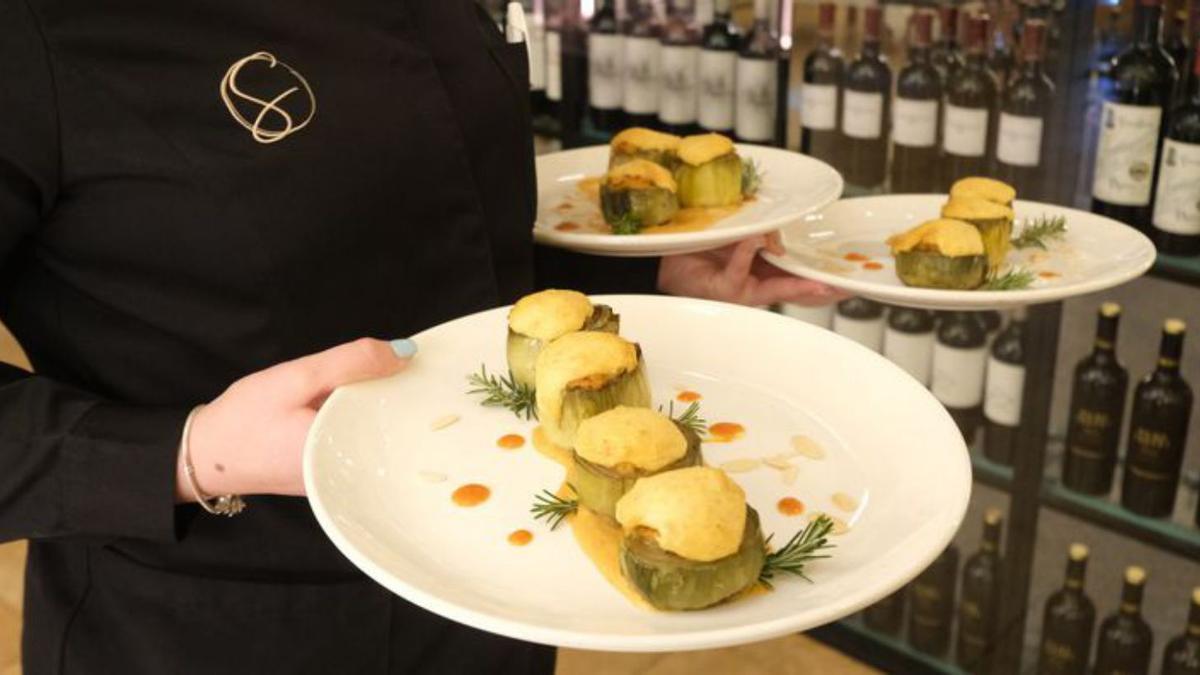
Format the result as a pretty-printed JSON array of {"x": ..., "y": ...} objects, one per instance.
[
  {"x": 740, "y": 465},
  {"x": 790, "y": 474},
  {"x": 443, "y": 422},
  {"x": 845, "y": 502},
  {"x": 432, "y": 476},
  {"x": 807, "y": 447},
  {"x": 777, "y": 462}
]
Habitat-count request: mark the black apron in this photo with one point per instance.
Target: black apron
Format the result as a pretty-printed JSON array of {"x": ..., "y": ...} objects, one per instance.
[{"x": 174, "y": 254}]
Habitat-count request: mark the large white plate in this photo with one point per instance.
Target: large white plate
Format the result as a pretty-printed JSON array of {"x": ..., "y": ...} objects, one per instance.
[
  {"x": 1097, "y": 253},
  {"x": 889, "y": 444},
  {"x": 793, "y": 185}
]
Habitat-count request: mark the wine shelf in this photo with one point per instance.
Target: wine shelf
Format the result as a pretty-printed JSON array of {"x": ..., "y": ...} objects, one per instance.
[
  {"x": 1185, "y": 270},
  {"x": 886, "y": 652}
]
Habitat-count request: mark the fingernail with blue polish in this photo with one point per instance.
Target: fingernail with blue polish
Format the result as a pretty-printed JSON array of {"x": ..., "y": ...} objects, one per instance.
[{"x": 404, "y": 348}]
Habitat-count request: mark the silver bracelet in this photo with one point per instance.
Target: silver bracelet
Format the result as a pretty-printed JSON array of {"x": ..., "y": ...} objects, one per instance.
[{"x": 223, "y": 505}]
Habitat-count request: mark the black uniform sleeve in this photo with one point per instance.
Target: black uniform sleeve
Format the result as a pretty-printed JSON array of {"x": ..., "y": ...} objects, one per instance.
[
  {"x": 592, "y": 274},
  {"x": 70, "y": 463}
]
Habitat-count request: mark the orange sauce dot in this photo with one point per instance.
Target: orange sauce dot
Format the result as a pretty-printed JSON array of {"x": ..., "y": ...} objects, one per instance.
[
  {"x": 471, "y": 494},
  {"x": 688, "y": 396},
  {"x": 790, "y": 506},
  {"x": 855, "y": 257},
  {"x": 520, "y": 537},
  {"x": 511, "y": 441},
  {"x": 1048, "y": 275},
  {"x": 724, "y": 432},
  {"x": 567, "y": 227},
  {"x": 872, "y": 266}
]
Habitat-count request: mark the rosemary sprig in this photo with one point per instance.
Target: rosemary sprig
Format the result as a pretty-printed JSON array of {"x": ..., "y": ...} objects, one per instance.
[
  {"x": 752, "y": 176},
  {"x": 1040, "y": 230},
  {"x": 801, "y": 549},
  {"x": 689, "y": 418},
  {"x": 627, "y": 223},
  {"x": 503, "y": 391},
  {"x": 552, "y": 507},
  {"x": 1012, "y": 280}
]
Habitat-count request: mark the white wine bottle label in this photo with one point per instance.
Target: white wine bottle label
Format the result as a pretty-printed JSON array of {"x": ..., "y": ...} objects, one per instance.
[
  {"x": 964, "y": 132},
  {"x": 537, "y": 54},
  {"x": 641, "y": 75},
  {"x": 818, "y": 106},
  {"x": 1003, "y": 393},
  {"x": 914, "y": 122},
  {"x": 677, "y": 100},
  {"x": 718, "y": 70},
  {"x": 1125, "y": 153},
  {"x": 866, "y": 332},
  {"x": 604, "y": 71},
  {"x": 1019, "y": 141},
  {"x": 1177, "y": 207},
  {"x": 862, "y": 114},
  {"x": 911, "y": 351},
  {"x": 755, "y": 115},
  {"x": 957, "y": 379},
  {"x": 554, "y": 65},
  {"x": 818, "y": 315}
]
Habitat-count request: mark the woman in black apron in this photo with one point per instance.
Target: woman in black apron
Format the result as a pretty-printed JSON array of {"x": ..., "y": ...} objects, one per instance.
[{"x": 191, "y": 193}]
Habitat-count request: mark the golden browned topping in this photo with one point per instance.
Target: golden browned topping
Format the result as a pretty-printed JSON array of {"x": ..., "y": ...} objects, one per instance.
[
  {"x": 697, "y": 150},
  {"x": 975, "y": 208},
  {"x": 586, "y": 359},
  {"x": 634, "y": 139},
  {"x": 549, "y": 314},
  {"x": 984, "y": 188},
  {"x": 952, "y": 238},
  {"x": 638, "y": 438},
  {"x": 697, "y": 513},
  {"x": 639, "y": 174}
]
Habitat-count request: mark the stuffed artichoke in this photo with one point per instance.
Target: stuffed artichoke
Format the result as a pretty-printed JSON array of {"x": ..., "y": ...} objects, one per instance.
[
  {"x": 637, "y": 194},
  {"x": 647, "y": 144},
  {"x": 984, "y": 188},
  {"x": 994, "y": 222},
  {"x": 710, "y": 172},
  {"x": 941, "y": 253},
  {"x": 538, "y": 318}
]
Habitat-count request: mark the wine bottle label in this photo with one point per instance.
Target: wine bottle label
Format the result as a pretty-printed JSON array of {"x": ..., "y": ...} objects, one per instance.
[
  {"x": 1125, "y": 153},
  {"x": 1003, "y": 392},
  {"x": 914, "y": 122},
  {"x": 964, "y": 132},
  {"x": 818, "y": 106},
  {"x": 1019, "y": 141},
  {"x": 911, "y": 351},
  {"x": 677, "y": 100},
  {"x": 641, "y": 75},
  {"x": 756, "y": 82},
  {"x": 866, "y": 332},
  {"x": 862, "y": 114},
  {"x": 957, "y": 379},
  {"x": 1059, "y": 657},
  {"x": 537, "y": 54},
  {"x": 554, "y": 65},
  {"x": 1152, "y": 454},
  {"x": 1177, "y": 207},
  {"x": 818, "y": 315},
  {"x": 717, "y": 72},
  {"x": 1092, "y": 434},
  {"x": 604, "y": 71}
]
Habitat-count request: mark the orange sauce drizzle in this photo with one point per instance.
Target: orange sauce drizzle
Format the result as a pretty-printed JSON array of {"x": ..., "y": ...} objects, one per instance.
[
  {"x": 725, "y": 432},
  {"x": 567, "y": 226},
  {"x": 520, "y": 537},
  {"x": 511, "y": 441},
  {"x": 471, "y": 494},
  {"x": 688, "y": 396},
  {"x": 1049, "y": 275},
  {"x": 872, "y": 266},
  {"x": 855, "y": 257},
  {"x": 790, "y": 506}
]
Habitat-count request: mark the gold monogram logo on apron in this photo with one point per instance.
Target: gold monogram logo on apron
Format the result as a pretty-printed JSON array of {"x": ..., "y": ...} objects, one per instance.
[{"x": 271, "y": 123}]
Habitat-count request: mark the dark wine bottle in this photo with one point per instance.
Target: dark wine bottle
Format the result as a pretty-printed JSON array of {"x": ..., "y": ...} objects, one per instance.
[
  {"x": 908, "y": 341},
  {"x": 1001, "y": 58},
  {"x": 931, "y": 596},
  {"x": 641, "y": 81},
  {"x": 573, "y": 108},
  {"x": 887, "y": 615},
  {"x": 970, "y": 108},
  {"x": 980, "y": 601},
  {"x": 1158, "y": 424},
  {"x": 959, "y": 360},
  {"x": 680, "y": 66},
  {"x": 1131, "y": 123},
  {"x": 1004, "y": 391},
  {"x": 1125, "y": 639},
  {"x": 1097, "y": 410},
  {"x": 1024, "y": 110},
  {"x": 605, "y": 68},
  {"x": 718, "y": 70},
  {"x": 535, "y": 25},
  {"x": 1067, "y": 622},
  {"x": 1177, "y": 203},
  {"x": 946, "y": 55},
  {"x": 1176, "y": 44},
  {"x": 915, "y": 115},
  {"x": 553, "y": 58},
  {"x": 860, "y": 320},
  {"x": 1109, "y": 39},
  {"x": 758, "y": 80},
  {"x": 865, "y": 102},
  {"x": 1182, "y": 655},
  {"x": 819, "y": 93}
]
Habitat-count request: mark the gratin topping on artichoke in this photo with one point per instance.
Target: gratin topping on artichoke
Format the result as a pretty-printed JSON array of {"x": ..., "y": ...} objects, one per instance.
[
  {"x": 544, "y": 316},
  {"x": 984, "y": 188},
  {"x": 697, "y": 513},
  {"x": 942, "y": 253},
  {"x": 710, "y": 172},
  {"x": 642, "y": 143},
  {"x": 994, "y": 222},
  {"x": 703, "y": 148},
  {"x": 637, "y": 194}
]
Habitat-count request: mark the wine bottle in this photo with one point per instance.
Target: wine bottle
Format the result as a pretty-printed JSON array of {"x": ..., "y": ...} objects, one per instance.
[
  {"x": 1109, "y": 39},
  {"x": 641, "y": 81},
  {"x": 931, "y": 596},
  {"x": 1024, "y": 109},
  {"x": 865, "y": 103},
  {"x": 1176, "y": 45},
  {"x": 887, "y": 615},
  {"x": 980, "y": 601},
  {"x": 1125, "y": 639},
  {"x": 818, "y": 315},
  {"x": 959, "y": 360},
  {"x": 757, "y": 80},
  {"x": 915, "y": 115},
  {"x": 1004, "y": 391},
  {"x": 1000, "y": 55},
  {"x": 1177, "y": 204},
  {"x": 1182, "y": 655},
  {"x": 535, "y": 35},
  {"x": 1131, "y": 120},
  {"x": 1097, "y": 410},
  {"x": 718, "y": 70},
  {"x": 991, "y": 321},
  {"x": 908, "y": 341},
  {"x": 1067, "y": 622},
  {"x": 605, "y": 68},
  {"x": 860, "y": 320},
  {"x": 819, "y": 92},
  {"x": 680, "y": 66},
  {"x": 946, "y": 55},
  {"x": 553, "y": 57},
  {"x": 970, "y": 106},
  {"x": 1158, "y": 424},
  {"x": 574, "y": 107}
]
